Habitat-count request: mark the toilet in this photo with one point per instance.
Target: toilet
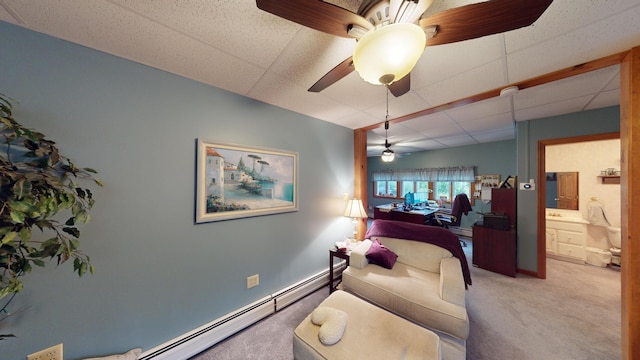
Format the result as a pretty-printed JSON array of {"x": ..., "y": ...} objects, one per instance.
[{"x": 614, "y": 235}]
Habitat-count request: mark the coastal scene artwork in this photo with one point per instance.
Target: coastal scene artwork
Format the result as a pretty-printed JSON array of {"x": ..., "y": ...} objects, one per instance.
[{"x": 237, "y": 181}]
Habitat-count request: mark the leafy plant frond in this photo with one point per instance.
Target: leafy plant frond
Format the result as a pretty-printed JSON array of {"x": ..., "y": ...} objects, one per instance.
[{"x": 37, "y": 186}]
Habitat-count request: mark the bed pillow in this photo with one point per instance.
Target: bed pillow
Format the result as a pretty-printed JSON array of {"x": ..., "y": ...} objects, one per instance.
[{"x": 381, "y": 255}]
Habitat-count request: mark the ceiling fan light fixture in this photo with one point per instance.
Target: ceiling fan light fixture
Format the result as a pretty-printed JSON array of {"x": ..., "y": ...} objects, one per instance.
[
  {"x": 387, "y": 54},
  {"x": 388, "y": 155}
]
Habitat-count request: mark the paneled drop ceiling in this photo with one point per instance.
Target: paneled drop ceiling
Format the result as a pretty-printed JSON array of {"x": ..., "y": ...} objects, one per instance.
[{"x": 237, "y": 47}]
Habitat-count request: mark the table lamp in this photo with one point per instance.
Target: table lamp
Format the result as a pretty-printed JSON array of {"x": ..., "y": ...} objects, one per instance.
[{"x": 355, "y": 210}]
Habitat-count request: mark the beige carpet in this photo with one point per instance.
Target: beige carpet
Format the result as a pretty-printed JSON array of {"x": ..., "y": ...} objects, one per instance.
[{"x": 573, "y": 314}]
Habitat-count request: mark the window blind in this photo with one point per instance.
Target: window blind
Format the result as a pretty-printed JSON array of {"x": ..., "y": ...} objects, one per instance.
[{"x": 460, "y": 173}]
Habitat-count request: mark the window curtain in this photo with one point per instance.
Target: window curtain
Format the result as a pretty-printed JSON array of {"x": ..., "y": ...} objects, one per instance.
[{"x": 463, "y": 173}]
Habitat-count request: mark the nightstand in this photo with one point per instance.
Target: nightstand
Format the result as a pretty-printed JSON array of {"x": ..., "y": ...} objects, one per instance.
[{"x": 334, "y": 253}]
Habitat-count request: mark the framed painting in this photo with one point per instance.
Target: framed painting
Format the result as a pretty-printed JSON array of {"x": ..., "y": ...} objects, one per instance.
[{"x": 235, "y": 181}]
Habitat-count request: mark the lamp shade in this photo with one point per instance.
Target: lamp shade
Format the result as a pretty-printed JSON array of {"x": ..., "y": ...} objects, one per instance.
[
  {"x": 355, "y": 209},
  {"x": 389, "y": 52}
]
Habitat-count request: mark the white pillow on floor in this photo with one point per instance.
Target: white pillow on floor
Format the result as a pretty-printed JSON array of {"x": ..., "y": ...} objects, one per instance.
[{"x": 132, "y": 354}]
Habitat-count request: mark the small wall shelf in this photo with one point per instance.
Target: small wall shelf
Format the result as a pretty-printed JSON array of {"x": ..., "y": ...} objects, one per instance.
[{"x": 610, "y": 179}]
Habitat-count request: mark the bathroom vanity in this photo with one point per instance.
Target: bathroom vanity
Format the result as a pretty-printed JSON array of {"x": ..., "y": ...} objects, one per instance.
[{"x": 566, "y": 238}]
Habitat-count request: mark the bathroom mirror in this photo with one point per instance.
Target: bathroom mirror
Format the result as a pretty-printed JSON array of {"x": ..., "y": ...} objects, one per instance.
[{"x": 562, "y": 190}]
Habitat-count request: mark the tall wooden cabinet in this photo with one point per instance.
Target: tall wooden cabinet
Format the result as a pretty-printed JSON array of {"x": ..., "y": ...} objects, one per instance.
[{"x": 494, "y": 249}]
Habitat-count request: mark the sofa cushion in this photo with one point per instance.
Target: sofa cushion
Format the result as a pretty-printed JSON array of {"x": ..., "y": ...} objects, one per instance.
[
  {"x": 409, "y": 292},
  {"x": 358, "y": 257},
  {"x": 381, "y": 255},
  {"x": 418, "y": 254}
]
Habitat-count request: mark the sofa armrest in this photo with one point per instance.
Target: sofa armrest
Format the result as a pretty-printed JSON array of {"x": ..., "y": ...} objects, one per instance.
[
  {"x": 358, "y": 258},
  {"x": 452, "y": 287}
]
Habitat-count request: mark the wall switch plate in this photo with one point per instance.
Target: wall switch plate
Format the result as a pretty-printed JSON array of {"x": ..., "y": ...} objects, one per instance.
[
  {"x": 253, "y": 280},
  {"x": 52, "y": 353}
]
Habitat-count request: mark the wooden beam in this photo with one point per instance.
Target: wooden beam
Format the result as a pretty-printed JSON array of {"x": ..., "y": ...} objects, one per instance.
[
  {"x": 630, "y": 192},
  {"x": 360, "y": 175}
]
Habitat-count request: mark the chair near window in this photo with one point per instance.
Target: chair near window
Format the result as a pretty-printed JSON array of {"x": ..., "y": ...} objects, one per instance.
[{"x": 461, "y": 206}]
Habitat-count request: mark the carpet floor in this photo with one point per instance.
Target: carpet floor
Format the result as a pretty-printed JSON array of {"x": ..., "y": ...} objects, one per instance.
[{"x": 573, "y": 314}]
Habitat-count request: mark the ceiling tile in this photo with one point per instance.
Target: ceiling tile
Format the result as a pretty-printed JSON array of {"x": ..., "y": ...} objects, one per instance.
[
  {"x": 442, "y": 62},
  {"x": 474, "y": 81},
  {"x": 567, "y": 16},
  {"x": 487, "y": 123},
  {"x": 605, "y": 37},
  {"x": 605, "y": 99},
  {"x": 480, "y": 109},
  {"x": 565, "y": 89},
  {"x": 459, "y": 140},
  {"x": 220, "y": 26},
  {"x": 310, "y": 55},
  {"x": 408, "y": 103},
  {"x": 495, "y": 134},
  {"x": 553, "y": 109},
  {"x": 279, "y": 91}
]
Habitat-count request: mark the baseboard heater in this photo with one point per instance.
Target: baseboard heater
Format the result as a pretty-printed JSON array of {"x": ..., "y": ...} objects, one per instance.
[{"x": 204, "y": 337}]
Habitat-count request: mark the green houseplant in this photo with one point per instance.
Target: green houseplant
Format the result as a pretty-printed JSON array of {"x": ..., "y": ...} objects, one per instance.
[{"x": 38, "y": 190}]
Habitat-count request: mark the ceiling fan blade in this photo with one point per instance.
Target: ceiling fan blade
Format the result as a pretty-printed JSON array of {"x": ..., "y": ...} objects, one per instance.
[
  {"x": 482, "y": 19},
  {"x": 401, "y": 87},
  {"x": 315, "y": 14},
  {"x": 341, "y": 70}
]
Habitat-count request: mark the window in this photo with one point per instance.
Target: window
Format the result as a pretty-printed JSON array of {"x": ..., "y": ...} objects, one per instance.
[
  {"x": 443, "y": 191},
  {"x": 422, "y": 186},
  {"x": 446, "y": 191},
  {"x": 386, "y": 189},
  {"x": 408, "y": 187}
]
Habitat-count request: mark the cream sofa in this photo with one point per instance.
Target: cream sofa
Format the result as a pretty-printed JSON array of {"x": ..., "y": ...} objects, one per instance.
[{"x": 425, "y": 285}]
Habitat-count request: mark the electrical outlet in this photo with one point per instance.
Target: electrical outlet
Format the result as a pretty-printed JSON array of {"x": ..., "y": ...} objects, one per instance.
[
  {"x": 253, "y": 280},
  {"x": 52, "y": 353}
]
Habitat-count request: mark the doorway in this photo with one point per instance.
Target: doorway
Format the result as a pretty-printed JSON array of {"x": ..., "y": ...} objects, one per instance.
[{"x": 542, "y": 187}]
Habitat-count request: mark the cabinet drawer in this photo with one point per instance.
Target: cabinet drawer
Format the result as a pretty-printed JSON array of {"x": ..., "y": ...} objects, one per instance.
[
  {"x": 570, "y": 237},
  {"x": 573, "y": 251},
  {"x": 569, "y": 226}
]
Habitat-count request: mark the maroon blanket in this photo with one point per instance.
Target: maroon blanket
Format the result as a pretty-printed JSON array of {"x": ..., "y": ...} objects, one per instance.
[{"x": 430, "y": 234}]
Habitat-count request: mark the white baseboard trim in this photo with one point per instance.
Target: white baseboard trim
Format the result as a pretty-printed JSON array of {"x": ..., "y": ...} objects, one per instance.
[
  {"x": 204, "y": 337},
  {"x": 299, "y": 290}
]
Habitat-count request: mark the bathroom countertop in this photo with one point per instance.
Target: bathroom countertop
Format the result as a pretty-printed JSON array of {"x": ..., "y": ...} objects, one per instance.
[{"x": 576, "y": 220}]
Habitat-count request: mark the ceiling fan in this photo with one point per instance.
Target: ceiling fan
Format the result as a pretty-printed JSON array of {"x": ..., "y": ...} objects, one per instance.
[{"x": 392, "y": 16}]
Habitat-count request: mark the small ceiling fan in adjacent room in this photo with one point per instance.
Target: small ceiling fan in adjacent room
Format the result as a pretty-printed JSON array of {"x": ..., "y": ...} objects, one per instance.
[{"x": 388, "y": 30}]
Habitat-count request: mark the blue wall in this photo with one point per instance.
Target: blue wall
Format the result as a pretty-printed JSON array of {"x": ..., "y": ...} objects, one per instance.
[
  {"x": 591, "y": 122},
  {"x": 490, "y": 158},
  {"x": 158, "y": 274}
]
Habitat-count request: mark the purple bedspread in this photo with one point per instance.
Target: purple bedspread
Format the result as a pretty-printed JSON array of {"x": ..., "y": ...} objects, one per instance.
[{"x": 430, "y": 234}]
